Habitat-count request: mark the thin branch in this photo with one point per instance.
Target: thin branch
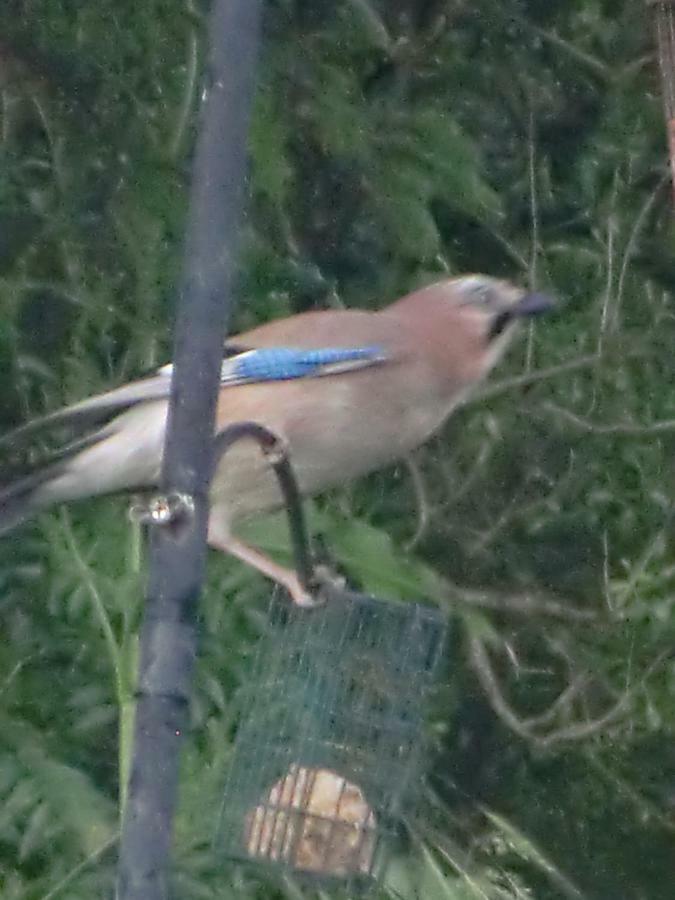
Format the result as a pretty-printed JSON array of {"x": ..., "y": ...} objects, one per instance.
[
  {"x": 459, "y": 491},
  {"x": 374, "y": 24},
  {"x": 481, "y": 665},
  {"x": 525, "y": 604},
  {"x": 609, "y": 281},
  {"x": 508, "y": 384},
  {"x": 423, "y": 508},
  {"x": 122, "y": 693},
  {"x": 498, "y": 524},
  {"x": 627, "y": 429},
  {"x": 637, "y": 228},
  {"x": 534, "y": 209},
  {"x": 480, "y": 662},
  {"x": 620, "y": 785},
  {"x": 98, "y": 605},
  {"x": 16, "y": 670},
  {"x": 653, "y": 547},
  {"x": 605, "y": 573},
  {"x": 534, "y": 216},
  {"x": 580, "y": 730},
  {"x": 191, "y": 73},
  {"x": 509, "y": 247},
  {"x": 590, "y": 62}
]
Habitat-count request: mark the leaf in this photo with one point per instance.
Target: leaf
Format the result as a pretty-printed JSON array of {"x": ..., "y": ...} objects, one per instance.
[
  {"x": 402, "y": 197},
  {"x": 528, "y": 850},
  {"x": 268, "y": 146},
  {"x": 74, "y": 802}
]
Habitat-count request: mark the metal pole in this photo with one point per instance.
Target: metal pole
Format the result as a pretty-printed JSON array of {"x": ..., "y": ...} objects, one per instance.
[{"x": 177, "y": 557}]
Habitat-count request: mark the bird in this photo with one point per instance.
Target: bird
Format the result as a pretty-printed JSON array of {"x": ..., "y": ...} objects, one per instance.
[{"x": 347, "y": 391}]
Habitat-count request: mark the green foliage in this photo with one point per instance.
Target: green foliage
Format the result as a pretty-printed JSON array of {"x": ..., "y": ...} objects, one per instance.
[{"x": 391, "y": 143}]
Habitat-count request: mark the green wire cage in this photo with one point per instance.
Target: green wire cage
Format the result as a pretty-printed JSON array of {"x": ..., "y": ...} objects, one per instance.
[{"x": 330, "y": 744}]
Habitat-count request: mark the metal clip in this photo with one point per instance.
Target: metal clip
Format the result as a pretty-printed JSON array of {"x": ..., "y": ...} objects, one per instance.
[{"x": 162, "y": 509}]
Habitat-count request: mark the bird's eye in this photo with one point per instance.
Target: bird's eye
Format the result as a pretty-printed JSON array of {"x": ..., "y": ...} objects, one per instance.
[{"x": 480, "y": 294}]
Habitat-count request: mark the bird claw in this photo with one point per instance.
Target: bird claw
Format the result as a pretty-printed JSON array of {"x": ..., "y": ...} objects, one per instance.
[{"x": 313, "y": 595}]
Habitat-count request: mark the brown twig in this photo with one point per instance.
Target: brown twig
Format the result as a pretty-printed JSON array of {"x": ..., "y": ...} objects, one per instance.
[
  {"x": 481, "y": 664},
  {"x": 482, "y": 667},
  {"x": 508, "y": 384},
  {"x": 525, "y": 604},
  {"x": 488, "y": 680}
]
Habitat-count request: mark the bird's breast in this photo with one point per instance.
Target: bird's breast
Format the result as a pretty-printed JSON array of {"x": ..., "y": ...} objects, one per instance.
[{"x": 337, "y": 429}]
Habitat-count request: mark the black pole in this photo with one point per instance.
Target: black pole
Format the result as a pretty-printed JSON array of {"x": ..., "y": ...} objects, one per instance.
[{"x": 177, "y": 557}]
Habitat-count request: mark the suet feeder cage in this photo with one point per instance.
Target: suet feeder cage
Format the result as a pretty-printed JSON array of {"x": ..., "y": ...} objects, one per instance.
[{"x": 330, "y": 743}]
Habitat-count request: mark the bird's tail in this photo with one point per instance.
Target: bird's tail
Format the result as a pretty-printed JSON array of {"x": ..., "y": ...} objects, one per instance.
[
  {"x": 22, "y": 497},
  {"x": 54, "y": 480},
  {"x": 99, "y": 458}
]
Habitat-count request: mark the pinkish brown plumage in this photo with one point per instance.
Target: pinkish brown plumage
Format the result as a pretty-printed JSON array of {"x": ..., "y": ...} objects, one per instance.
[{"x": 348, "y": 391}]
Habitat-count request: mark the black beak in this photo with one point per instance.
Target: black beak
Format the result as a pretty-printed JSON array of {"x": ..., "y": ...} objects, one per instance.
[
  {"x": 532, "y": 305},
  {"x": 529, "y": 305}
]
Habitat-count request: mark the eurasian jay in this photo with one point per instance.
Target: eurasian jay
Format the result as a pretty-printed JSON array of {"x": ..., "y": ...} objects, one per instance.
[{"x": 347, "y": 391}]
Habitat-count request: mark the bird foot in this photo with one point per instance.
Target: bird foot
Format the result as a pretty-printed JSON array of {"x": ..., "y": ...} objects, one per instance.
[
  {"x": 323, "y": 578},
  {"x": 300, "y": 595}
]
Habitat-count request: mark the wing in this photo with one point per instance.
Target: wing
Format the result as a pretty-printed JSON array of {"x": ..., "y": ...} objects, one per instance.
[
  {"x": 285, "y": 363},
  {"x": 240, "y": 366}
]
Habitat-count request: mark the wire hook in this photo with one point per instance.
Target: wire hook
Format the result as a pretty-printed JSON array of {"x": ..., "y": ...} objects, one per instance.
[{"x": 276, "y": 451}]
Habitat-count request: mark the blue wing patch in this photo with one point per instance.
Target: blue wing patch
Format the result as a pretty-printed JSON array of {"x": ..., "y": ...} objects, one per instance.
[{"x": 285, "y": 363}]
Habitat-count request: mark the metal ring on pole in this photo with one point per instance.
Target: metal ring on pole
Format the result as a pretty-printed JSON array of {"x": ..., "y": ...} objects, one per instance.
[{"x": 163, "y": 509}]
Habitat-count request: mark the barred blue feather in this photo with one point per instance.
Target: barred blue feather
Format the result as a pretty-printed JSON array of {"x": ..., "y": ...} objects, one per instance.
[{"x": 285, "y": 363}]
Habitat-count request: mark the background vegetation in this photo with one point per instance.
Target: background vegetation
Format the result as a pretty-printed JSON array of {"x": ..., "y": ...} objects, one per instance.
[{"x": 393, "y": 142}]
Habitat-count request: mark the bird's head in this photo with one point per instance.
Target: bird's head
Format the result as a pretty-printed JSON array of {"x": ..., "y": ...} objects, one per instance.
[
  {"x": 498, "y": 305},
  {"x": 491, "y": 310},
  {"x": 468, "y": 321}
]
